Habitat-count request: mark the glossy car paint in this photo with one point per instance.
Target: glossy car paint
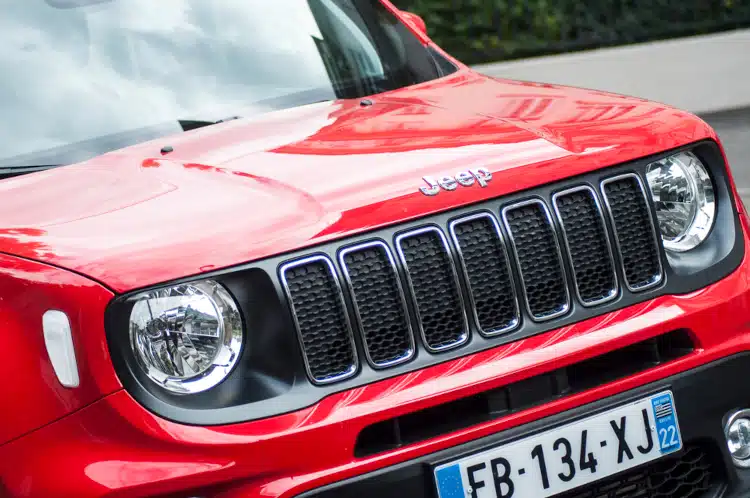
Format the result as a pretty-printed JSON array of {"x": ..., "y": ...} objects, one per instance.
[
  {"x": 114, "y": 447},
  {"x": 34, "y": 395},
  {"x": 252, "y": 188}
]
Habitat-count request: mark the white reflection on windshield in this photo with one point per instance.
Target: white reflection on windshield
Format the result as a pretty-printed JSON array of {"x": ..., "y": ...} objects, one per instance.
[{"x": 74, "y": 74}]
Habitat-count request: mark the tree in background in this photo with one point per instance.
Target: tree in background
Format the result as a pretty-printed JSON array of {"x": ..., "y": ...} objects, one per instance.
[{"x": 490, "y": 30}]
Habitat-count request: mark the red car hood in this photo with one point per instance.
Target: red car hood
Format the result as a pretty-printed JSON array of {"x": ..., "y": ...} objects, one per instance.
[{"x": 247, "y": 189}]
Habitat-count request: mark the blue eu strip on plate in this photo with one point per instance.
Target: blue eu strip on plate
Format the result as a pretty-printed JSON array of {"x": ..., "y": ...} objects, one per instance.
[{"x": 449, "y": 482}]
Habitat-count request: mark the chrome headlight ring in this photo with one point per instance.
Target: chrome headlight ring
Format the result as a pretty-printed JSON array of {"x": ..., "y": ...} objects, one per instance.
[
  {"x": 683, "y": 196},
  {"x": 186, "y": 338}
]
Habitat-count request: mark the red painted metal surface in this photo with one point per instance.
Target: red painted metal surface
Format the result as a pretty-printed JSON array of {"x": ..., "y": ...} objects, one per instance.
[
  {"x": 116, "y": 448},
  {"x": 30, "y": 388},
  {"x": 251, "y": 188}
]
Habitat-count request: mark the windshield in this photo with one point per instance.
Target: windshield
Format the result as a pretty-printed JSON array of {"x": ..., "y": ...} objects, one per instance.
[{"x": 83, "y": 77}]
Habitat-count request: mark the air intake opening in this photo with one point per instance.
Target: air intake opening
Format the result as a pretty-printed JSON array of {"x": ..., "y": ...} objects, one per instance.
[
  {"x": 489, "y": 405},
  {"x": 321, "y": 319},
  {"x": 634, "y": 231},
  {"x": 537, "y": 252}
]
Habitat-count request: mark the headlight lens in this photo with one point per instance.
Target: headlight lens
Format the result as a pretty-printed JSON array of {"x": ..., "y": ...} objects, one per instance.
[
  {"x": 187, "y": 337},
  {"x": 684, "y": 199}
]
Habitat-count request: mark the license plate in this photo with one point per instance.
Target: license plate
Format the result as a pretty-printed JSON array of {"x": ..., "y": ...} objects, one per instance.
[{"x": 569, "y": 456}]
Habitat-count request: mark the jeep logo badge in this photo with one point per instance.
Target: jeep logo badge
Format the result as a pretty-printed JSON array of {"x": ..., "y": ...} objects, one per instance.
[{"x": 481, "y": 176}]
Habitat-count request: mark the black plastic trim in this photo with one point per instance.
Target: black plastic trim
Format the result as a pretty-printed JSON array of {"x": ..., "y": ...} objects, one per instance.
[
  {"x": 270, "y": 377},
  {"x": 700, "y": 422},
  {"x": 435, "y": 421}
]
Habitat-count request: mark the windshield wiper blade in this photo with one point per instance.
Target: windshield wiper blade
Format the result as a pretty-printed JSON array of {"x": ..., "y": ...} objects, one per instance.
[
  {"x": 11, "y": 171},
  {"x": 194, "y": 124}
]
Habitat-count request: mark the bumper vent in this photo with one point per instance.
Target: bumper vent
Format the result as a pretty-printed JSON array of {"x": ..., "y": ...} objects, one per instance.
[
  {"x": 489, "y": 405},
  {"x": 379, "y": 303},
  {"x": 484, "y": 261},
  {"x": 696, "y": 472},
  {"x": 434, "y": 285},
  {"x": 321, "y": 319},
  {"x": 689, "y": 475},
  {"x": 585, "y": 237},
  {"x": 634, "y": 231},
  {"x": 540, "y": 262}
]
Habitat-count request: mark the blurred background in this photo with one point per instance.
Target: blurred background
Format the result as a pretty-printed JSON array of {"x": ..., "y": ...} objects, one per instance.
[{"x": 694, "y": 54}]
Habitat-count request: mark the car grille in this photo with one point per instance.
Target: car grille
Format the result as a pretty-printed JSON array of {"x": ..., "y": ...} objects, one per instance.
[
  {"x": 321, "y": 319},
  {"x": 588, "y": 247},
  {"x": 689, "y": 475},
  {"x": 434, "y": 284},
  {"x": 379, "y": 303},
  {"x": 538, "y": 257},
  {"x": 635, "y": 236},
  {"x": 540, "y": 264},
  {"x": 484, "y": 260}
]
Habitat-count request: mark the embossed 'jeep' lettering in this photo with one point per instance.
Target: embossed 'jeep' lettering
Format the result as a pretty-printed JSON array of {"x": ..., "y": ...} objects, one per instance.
[{"x": 480, "y": 176}]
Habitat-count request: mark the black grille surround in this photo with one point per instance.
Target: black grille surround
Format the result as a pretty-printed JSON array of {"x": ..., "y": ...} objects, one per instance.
[
  {"x": 598, "y": 252},
  {"x": 272, "y": 378},
  {"x": 440, "y": 305}
]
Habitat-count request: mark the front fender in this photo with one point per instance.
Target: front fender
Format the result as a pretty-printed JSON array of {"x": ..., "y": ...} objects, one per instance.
[{"x": 30, "y": 392}]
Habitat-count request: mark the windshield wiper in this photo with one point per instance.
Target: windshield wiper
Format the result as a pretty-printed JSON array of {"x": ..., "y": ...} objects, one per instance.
[
  {"x": 84, "y": 150},
  {"x": 11, "y": 171},
  {"x": 194, "y": 124}
]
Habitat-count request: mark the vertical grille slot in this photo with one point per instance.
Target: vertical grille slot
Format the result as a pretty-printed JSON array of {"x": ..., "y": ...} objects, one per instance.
[
  {"x": 379, "y": 303},
  {"x": 585, "y": 237},
  {"x": 320, "y": 317},
  {"x": 537, "y": 253},
  {"x": 434, "y": 285},
  {"x": 484, "y": 261},
  {"x": 635, "y": 235}
]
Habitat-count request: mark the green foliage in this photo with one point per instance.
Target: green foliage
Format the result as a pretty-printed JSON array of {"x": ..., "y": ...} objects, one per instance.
[{"x": 489, "y": 30}]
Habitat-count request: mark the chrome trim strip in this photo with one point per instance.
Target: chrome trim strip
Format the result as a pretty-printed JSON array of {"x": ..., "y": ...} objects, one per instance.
[
  {"x": 657, "y": 279},
  {"x": 553, "y": 229},
  {"x": 464, "y": 338},
  {"x": 409, "y": 353},
  {"x": 452, "y": 227},
  {"x": 615, "y": 290},
  {"x": 301, "y": 262}
]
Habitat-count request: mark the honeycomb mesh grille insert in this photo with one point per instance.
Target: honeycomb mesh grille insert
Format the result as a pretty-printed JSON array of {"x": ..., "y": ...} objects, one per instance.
[
  {"x": 321, "y": 319},
  {"x": 378, "y": 298},
  {"x": 537, "y": 253},
  {"x": 634, "y": 231},
  {"x": 586, "y": 239},
  {"x": 485, "y": 264},
  {"x": 689, "y": 475},
  {"x": 433, "y": 284}
]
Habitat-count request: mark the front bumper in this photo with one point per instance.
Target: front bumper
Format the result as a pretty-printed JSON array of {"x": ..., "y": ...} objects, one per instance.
[
  {"x": 115, "y": 447},
  {"x": 703, "y": 398}
]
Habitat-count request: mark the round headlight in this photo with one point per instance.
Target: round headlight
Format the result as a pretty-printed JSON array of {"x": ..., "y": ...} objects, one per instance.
[
  {"x": 187, "y": 337},
  {"x": 683, "y": 196}
]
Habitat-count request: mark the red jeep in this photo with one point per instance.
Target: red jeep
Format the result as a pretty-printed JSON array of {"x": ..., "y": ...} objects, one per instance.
[{"x": 291, "y": 248}]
